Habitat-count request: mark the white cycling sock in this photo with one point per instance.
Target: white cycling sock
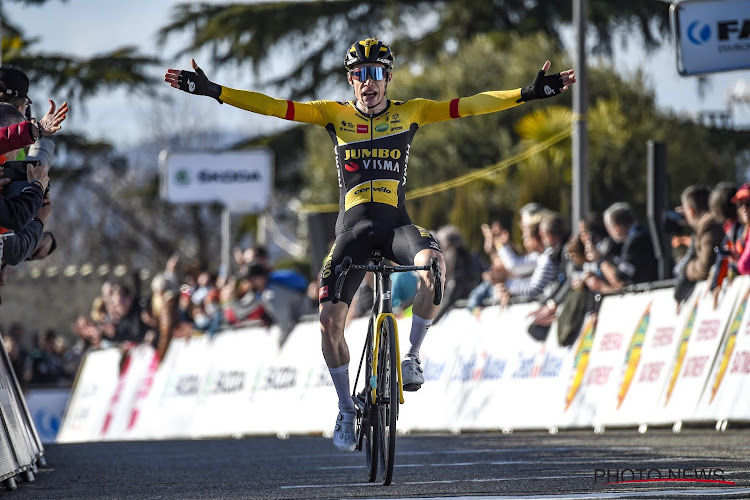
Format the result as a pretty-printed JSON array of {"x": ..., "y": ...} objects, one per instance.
[
  {"x": 340, "y": 377},
  {"x": 419, "y": 327}
]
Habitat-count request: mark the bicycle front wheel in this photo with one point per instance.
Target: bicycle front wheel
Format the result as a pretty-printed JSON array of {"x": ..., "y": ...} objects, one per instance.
[
  {"x": 388, "y": 397},
  {"x": 371, "y": 418}
]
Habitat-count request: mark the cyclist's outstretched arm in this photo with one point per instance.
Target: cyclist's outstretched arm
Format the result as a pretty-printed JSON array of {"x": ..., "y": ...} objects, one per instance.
[
  {"x": 543, "y": 86},
  {"x": 196, "y": 82}
]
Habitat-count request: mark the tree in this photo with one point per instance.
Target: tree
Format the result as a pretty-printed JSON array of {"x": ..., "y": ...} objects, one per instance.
[{"x": 310, "y": 37}]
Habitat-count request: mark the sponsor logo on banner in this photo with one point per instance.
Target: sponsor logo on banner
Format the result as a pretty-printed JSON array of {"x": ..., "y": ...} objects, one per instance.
[
  {"x": 282, "y": 377},
  {"x": 581, "y": 360},
  {"x": 681, "y": 352},
  {"x": 633, "y": 355},
  {"x": 728, "y": 348},
  {"x": 227, "y": 382}
]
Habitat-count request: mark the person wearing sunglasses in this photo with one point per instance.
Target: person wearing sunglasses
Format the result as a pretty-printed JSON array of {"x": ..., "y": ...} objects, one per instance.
[{"x": 372, "y": 136}]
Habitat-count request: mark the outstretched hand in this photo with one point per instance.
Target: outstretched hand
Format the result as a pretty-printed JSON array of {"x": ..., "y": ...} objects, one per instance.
[
  {"x": 50, "y": 123},
  {"x": 545, "y": 86},
  {"x": 193, "y": 82}
]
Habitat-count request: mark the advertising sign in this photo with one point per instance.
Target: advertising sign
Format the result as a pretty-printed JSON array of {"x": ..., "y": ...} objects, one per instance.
[
  {"x": 711, "y": 35},
  {"x": 240, "y": 180}
]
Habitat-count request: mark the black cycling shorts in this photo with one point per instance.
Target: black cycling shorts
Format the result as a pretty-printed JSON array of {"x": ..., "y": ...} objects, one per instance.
[{"x": 400, "y": 244}]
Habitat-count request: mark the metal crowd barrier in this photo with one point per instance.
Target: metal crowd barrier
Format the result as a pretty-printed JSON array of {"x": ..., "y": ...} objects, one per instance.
[{"x": 21, "y": 450}]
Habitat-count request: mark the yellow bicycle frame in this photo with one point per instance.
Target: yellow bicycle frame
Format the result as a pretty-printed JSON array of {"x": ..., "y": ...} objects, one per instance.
[{"x": 378, "y": 323}]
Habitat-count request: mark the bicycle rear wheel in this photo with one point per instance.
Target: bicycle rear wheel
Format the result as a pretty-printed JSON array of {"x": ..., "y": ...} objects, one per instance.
[{"x": 388, "y": 398}]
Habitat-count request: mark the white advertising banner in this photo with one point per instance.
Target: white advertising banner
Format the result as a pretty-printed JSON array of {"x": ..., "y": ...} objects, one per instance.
[
  {"x": 173, "y": 401},
  {"x": 699, "y": 342},
  {"x": 236, "y": 361},
  {"x": 725, "y": 396},
  {"x": 619, "y": 319},
  {"x": 711, "y": 35},
  {"x": 448, "y": 359},
  {"x": 240, "y": 180},
  {"x": 645, "y": 370},
  {"x": 89, "y": 402},
  {"x": 508, "y": 366}
]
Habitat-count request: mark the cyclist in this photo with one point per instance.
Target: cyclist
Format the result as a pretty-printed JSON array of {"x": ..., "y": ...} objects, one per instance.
[{"x": 372, "y": 137}]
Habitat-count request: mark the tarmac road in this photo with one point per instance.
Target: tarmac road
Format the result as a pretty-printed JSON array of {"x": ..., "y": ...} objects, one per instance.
[{"x": 572, "y": 464}]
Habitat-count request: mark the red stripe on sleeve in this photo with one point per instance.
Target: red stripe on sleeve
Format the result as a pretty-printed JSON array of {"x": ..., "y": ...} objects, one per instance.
[
  {"x": 289, "y": 110},
  {"x": 454, "y": 109}
]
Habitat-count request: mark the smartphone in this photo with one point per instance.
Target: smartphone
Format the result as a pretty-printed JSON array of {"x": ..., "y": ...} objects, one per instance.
[{"x": 16, "y": 170}]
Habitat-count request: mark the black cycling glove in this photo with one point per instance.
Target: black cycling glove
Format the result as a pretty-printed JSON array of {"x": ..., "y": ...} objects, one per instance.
[
  {"x": 197, "y": 83},
  {"x": 544, "y": 86}
]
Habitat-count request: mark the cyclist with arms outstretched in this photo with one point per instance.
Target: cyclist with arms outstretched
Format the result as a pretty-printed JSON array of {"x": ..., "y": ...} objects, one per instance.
[{"x": 372, "y": 137}]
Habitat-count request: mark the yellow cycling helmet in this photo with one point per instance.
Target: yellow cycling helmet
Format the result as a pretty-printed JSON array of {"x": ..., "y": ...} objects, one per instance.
[{"x": 370, "y": 50}]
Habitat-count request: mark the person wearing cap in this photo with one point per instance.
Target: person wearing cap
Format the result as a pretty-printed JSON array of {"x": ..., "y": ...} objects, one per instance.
[
  {"x": 14, "y": 87},
  {"x": 741, "y": 248}
]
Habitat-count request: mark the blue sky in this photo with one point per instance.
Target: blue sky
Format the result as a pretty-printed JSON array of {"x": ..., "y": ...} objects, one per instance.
[{"x": 86, "y": 27}]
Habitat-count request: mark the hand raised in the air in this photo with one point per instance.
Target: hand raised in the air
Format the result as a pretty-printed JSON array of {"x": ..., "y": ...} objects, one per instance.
[
  {"x": 193, "y": 82},
  {"x": 545, "y": 86}
]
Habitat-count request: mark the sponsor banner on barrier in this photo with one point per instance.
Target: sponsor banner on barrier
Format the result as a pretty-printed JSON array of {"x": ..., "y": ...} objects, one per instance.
[
  {"x": 47, "y": 407},
  {"x": 725, "y": 396},
  {"x": 96, "y": 382},
  {"x": 447, "y": 356},
  {"x": 645, "y": 370},
  {"x": 276, "y": 394},
  {"x": 508, "y": 366},
  {"x": 138, "y": 368},
  {"x": 169, "y": 409},
  {"x": 236, "y": 362},
  {"x": 699, "y": 343},
  {"x": 618, "y": 321}
]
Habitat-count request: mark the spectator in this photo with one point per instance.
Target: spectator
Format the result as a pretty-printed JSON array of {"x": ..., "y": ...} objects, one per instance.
[
  {"x": 46, "y": 364},
  {"x": 403, "y": 290},
  {"x": 520, "y": 266},
  {"x": 463, "y": 270},
  {"x": 285, "y": 277},
  {"x": 708, "y": 234},
  {"x": 126, "y": 315},
  {"x": 548, "y": 266},
  {"x": 18, "y": 354},
  {"x": 741, "y": 247},
  {"x": 257, "y": 298},
  {"x": 87, "y": 337},
  {"x": 163, "y": 313},
  {"x": 725, "y": 211},
  {"x": 635, "y": 263}
]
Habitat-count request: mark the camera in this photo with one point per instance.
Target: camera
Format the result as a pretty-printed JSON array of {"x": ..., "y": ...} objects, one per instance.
[
  {"x": 40, "y": 153},
  {"x": 16, "y": 172}
]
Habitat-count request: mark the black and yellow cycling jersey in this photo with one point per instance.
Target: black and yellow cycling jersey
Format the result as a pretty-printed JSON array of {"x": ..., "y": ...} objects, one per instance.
[{"x": 372, "y": 152}]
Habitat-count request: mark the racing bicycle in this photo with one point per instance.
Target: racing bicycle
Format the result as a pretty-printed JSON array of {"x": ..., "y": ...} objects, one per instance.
[{"x": 377, "y": 403}]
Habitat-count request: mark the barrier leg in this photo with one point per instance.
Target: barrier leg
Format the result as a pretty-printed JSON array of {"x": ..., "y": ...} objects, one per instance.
[{"x": 10, "y": 484}]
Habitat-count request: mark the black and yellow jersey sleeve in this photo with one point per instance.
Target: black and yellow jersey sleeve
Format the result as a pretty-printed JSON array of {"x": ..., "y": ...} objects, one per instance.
[
  {"x": 306, "y": 112},
  {"x": 479, "y": 104}
]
